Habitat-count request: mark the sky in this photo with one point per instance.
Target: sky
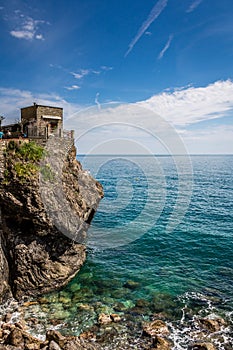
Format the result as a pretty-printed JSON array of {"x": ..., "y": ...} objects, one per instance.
[{"x": 171, "y": 57}]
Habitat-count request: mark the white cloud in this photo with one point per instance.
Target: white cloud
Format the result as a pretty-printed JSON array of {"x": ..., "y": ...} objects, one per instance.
[
  {"x": 180, "y": 110},
  {"x": 155, "y": 12},
  {"x": 166, "y": 47},
  {"x": 22, "y": 34},
  {"x": 72, "y": 87},
  {"x": 11, "y": 100},
  {"x": 39, "y": 37},
  {"x": 106, "y": 68},
  {"x": 193, "y": 6},
  {"x": 27, "y": 28},
  {"x": 82, "y": 73},
  {"x": 193, "y": 105}
]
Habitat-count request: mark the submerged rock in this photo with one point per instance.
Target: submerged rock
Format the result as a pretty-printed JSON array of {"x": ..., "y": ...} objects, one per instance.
[{"x": 132, "y": 285}]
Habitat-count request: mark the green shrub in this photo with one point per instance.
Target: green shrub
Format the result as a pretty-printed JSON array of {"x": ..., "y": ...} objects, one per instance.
[
  {"x": 25, "y": 170},
  {"x": 31, "y": 151}
]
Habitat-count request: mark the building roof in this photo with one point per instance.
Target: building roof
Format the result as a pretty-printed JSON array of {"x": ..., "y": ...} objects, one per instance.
[{"x": 36, "y": 105}]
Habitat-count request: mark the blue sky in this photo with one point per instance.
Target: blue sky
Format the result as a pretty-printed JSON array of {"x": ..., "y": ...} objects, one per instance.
[{"x": 172, "y": 56}]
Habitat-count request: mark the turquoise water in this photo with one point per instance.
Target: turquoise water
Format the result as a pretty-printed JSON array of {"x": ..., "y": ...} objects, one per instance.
[
  {"x": 196, "y": 256},
  {"x": 135, "y": 256}
]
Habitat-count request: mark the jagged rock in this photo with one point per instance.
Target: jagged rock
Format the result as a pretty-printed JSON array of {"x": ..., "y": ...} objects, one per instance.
[
  {"x": 155, "y": 328},
  {"x": 54, "y": 346},
  {"x": 20, "y": 338},
  {"x": 201, "y": 346},
  {"x": 41, "y": 253},
  {"x": 212, "y": 325},
  {"x": 55, "y": 336},
  {"x": 15, "y": 338},
  {"x": 161, "y": 344}
]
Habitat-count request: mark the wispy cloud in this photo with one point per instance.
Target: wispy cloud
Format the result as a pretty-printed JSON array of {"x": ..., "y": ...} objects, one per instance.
[
  {"x": 155, "y": 12},
  {"x": 193, "y": 6},
  {"x": 72, "y": 87},
  {"x": 166, "y": 47},
  {"x": 106, "y": 68},
  {"x": 97, "y": 100},
  {"x": 84, "y": 72},
  {"x": 27, "y": 28},
  {"x": 193, "y": 105}
]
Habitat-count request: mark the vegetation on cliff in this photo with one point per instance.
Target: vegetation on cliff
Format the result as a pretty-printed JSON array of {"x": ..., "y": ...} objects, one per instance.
[{"x": 22, "y": 160}]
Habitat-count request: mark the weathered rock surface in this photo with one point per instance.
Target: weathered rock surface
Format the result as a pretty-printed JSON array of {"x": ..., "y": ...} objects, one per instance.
[
  {"x": 18, "y": 339},
  {"x": 201, "y": 346},
  {"x": 35, "y": 255},
  {"x": 212, "y": 325},
  {"x": 155, "y": 328}
]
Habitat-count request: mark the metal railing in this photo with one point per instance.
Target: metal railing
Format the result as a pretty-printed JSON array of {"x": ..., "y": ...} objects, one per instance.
[{"x": 37, "y": 132}]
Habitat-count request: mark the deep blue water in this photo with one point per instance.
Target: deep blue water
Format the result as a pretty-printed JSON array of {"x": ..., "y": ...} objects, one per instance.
[{"x": 167, "y": 225}]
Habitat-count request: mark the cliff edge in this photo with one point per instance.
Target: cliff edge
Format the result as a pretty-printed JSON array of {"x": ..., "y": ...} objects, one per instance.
[{"x": 38, "y": 251}]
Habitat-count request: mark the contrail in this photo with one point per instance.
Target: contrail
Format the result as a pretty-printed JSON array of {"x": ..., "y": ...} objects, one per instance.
[
  {"x": 194, "y": 5},
  {"x": 97, "y": 100},
  {"x": 166, "y": 47},
  {"x": 155, "y": 12}
]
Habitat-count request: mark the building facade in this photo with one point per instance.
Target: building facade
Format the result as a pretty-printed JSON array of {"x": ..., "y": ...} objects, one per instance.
[{"x": 40, "y": 121}]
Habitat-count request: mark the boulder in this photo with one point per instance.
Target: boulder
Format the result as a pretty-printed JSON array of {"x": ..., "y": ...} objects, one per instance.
[
  {"x": 201, "y": 346},
  {"x": 155, "y": 328},
  {"x": 55, "y": 336},
  {"x": 104, "y": 319},
  {"x": 212, "y": 325},
  {"x": 160, "y": 343}
]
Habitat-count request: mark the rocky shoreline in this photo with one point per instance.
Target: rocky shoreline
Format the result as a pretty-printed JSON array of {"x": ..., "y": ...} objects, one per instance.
[{"x": 112, "y": 331}]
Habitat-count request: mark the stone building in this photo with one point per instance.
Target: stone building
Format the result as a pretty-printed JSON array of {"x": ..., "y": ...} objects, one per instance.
[{"x": 40, "y": 121}]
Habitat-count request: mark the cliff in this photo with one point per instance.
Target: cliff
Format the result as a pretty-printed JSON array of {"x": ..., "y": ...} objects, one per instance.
[{"x": 47, "y": 203}]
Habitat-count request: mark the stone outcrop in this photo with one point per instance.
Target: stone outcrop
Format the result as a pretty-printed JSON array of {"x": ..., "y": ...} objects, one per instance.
[{"x": 36, "y": 254}]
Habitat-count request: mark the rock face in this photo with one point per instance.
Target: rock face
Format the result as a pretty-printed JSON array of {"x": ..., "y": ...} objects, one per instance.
[{"x": 35, "y": 254}]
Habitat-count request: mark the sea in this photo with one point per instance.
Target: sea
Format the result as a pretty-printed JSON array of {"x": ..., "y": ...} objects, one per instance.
[{"x": 160, "y": 245}]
